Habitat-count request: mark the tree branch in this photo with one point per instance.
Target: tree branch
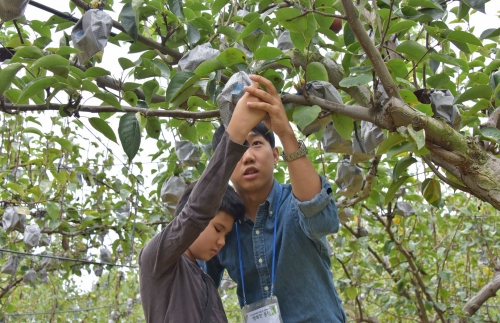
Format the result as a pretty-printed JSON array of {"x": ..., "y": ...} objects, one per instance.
[
  {"x": 443, "y": 178},
  {"x": 493, "y": 120},
  {"x": 488, "y": 291},
  {"x": 369, "y": 47},
  {"x": 179, "y": 114}
]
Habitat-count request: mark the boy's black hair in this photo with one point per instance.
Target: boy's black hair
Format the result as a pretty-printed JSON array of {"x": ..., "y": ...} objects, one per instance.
[
  {"x": 231, "y": 202},
  {"x": 260, "y": 128}
]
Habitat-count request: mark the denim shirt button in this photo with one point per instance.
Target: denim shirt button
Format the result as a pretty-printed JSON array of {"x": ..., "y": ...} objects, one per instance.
[
  {"x": 257, "y": 232},
  {"x": 260, "y": 260},
  {"x": 266, "y": 288}
]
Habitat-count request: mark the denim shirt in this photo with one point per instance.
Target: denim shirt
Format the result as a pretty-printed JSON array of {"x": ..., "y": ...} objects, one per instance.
[{"x": 303, "y": 280}]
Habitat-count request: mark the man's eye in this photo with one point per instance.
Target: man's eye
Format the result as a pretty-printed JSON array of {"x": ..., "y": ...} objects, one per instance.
[
  {"x": 256, "y": 143},
  {"x": 217, "y": 229}
]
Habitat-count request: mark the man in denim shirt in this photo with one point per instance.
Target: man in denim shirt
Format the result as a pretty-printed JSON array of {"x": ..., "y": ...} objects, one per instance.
[{"x": 307, "y": 213}]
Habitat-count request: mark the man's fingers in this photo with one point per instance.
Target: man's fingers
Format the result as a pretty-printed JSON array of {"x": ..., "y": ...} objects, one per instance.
[
  {"x": 259, "y": 93},
  {"x": 268, "y": 84},
  {"x": 260, "y": 106}
]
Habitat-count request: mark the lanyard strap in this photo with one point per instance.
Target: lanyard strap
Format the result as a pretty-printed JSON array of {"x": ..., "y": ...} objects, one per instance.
[{"x": 276, "y": 210}]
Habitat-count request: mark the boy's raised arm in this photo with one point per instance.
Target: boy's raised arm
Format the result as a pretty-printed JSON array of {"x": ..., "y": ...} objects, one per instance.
[{"x": 168, "y": 246}]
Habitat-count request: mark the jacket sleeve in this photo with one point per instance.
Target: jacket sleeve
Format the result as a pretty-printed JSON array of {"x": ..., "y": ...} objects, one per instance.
[
  {"x": 167, "y": 247},
  {"x": 319, "y": 216}
]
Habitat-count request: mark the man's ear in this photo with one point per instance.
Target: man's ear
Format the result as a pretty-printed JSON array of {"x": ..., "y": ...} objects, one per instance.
[{"x": 276, "y": 155}]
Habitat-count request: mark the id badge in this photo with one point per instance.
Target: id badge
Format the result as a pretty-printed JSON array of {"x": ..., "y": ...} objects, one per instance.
[{"x": 264, "y": 311}]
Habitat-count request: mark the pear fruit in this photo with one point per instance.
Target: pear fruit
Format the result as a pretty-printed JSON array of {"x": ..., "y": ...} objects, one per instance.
[{"x": 316, "y": 72}]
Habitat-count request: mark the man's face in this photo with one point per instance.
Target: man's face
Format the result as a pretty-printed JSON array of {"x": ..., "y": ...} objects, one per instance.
[
  {"x": 212, "y": 239},
  {"x": 254, "y": 171}
]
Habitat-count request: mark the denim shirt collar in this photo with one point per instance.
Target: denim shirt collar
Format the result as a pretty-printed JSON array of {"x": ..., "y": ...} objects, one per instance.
[{"x": 269, "y": 204}]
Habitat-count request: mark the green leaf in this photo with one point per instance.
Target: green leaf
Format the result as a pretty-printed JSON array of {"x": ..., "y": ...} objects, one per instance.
[
  {"x": 129, "y": 132},
  {"x": 129, "y": 16},
  {"x": 475, "y": 4},
  {"x": 438, "y": 80},
  {"x": 217, "y": 6},
  {"x": 176, "y": 7},
  {"x": 389, "y": 196},
  {"x": 131, "y": 98},
  {"x": 204, "y": 128},
  {"x": 412, "y": 50},
  {"x": 36, "y": 86},
  {"x": 357, "y": 80},
  {"x": 401, "y": 26},
  {"x": 264, "y": 53},
  {"x": 397, "y": 67},
  {"x": 255, "y": 24},
  {"x": 344, "y": 125},
  {"x": 128, "y": 86},
  {"x": 30, "y": 52},
  {"x": 150, "y": 88},
  {"x": 153, "y": 127},
  {"x": 125, "y": 63},
  {"x": 431, "y": 190},
  {"x": 492, "y": 66},
  {"x": 232, "y": 56},
  {"x": 109, "y": 99},
  {"x": 408, "y": 96},
  {"x": 209, "y": 66},
  {"x": 228, "y": 31},
  {"x": 463, "y": 37},
  {"x": 188, "y": 132},
  {"x": 95, "y": 71},
  {"x": 7, "y": 74},
  {"x": 401, "y": 166},
  {"x": 305, "y": 115},
  {"x": 351, "y": 292},
  {"x": 491, "y": 133},
  {"x": 399, "y": 149},
  {"x": 476, "y": 92},
  {"x": 16, "y": 188},
  {"x": 65, "y": 143},
  {"x": 417, "y": 136},
  {"x": 103, "y": 127},
  {"x": 197, "y": 102},
  {"x": 50, "y": 61},
  {"x": 490, "y": 33},
  {"x": 67, "y": 50},
  {"x": 180, "y": 82},
  {"x": 193, "y": 34},
  {"x": 33, "y": 130}
]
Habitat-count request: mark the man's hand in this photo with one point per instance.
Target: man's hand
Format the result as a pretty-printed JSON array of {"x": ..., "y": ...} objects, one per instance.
[
  {"x": 271, "y": 103},
  {"x": 244, "y": 118}
]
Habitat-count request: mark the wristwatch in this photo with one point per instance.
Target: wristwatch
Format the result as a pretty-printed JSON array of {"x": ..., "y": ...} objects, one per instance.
[{"x": 302, "y": 151}]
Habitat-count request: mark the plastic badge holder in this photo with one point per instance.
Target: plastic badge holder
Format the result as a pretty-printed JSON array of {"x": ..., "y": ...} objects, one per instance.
[
  {"x": 193, "y": 58},
  {"x": 187, "y": 152},
  {"x": 31, "y": 236},
  {"x": 12, "y": 9},
  {"x": 404, "y": 209},
  {"x": 324, "y": 90},
  {"x": 91, "y": 33},
  {"x": 335, "y": 143},
  {"x": 264, "y": 311},
  {"x": 232, "y": 92},
  {"x": 349, "y": 179}
]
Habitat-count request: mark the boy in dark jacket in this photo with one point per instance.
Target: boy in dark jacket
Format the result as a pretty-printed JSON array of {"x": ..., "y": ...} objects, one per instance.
[{"x": 173, "y": 287}]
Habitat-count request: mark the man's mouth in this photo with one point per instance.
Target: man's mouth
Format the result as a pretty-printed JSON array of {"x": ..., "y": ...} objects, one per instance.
[{"x": 250, "y": 171}]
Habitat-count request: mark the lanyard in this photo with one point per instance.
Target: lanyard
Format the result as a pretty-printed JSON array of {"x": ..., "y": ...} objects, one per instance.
[{"x": 276, "y": 209}]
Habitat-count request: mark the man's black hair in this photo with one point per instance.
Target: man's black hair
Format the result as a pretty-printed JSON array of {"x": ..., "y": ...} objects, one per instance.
[
  {"x": 260, "y": 129},
  {"x": 231, "y": 202}
]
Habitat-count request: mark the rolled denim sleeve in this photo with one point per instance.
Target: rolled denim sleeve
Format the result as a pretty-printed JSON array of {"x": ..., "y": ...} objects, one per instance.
[{"x": 318, "y": 217}]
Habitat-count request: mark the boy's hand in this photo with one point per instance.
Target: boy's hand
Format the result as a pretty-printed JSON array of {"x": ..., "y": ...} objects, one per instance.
[
  {"x": 270, "y": 103},
  {"x": 244, "y": 118}
]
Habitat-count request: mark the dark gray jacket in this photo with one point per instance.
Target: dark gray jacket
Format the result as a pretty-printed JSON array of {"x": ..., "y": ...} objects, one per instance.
[{"x": 173, "y": 288}]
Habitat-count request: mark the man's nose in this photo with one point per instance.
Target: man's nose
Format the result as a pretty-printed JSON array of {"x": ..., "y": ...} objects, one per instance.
[
  {"x": 248, "y": 157},
  {"x": 221, "y": 241}
]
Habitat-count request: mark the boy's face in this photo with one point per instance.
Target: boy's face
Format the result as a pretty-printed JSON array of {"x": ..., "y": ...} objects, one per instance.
[
  {"x": 212, "y": 239},
  {"x": 254, "y": 171}
]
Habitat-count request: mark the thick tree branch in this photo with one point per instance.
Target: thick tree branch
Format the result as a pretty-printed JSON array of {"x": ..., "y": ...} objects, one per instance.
[
  {"x": 487, "y": 292},
  {"x": 493, "y": 120},
  {"x": 371, "y": 51},
  {"x": 179, "y": 114},
  {"x": 146, "y": 41}
]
